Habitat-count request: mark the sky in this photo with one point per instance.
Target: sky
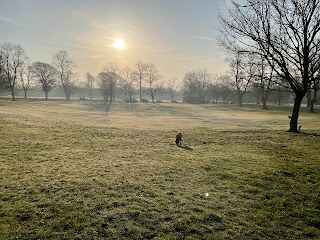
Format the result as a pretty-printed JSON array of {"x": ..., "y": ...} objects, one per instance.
[{"x": 175, "y": 35}]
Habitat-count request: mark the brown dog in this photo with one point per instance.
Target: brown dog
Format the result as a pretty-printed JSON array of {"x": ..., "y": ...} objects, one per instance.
[{"x": 178, "y": 139}]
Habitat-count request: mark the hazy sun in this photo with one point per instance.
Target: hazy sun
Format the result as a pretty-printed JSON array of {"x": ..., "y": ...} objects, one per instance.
[{"x": 118, "y": 43}]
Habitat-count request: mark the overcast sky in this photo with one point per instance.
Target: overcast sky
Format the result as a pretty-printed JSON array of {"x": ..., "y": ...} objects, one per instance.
[{"x": 175, "y": 35}]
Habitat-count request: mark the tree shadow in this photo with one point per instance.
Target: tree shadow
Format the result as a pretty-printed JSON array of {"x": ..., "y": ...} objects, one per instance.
[
  {"x": 186, "y": 148},
  {"x": 310, "y": 134}
]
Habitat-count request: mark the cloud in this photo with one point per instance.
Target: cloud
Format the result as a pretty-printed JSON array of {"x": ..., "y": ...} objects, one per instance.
[{"x": 8, "y": 20}]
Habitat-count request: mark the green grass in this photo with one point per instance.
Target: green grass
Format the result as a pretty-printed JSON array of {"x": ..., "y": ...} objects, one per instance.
[{"x": 82, "y": 170}]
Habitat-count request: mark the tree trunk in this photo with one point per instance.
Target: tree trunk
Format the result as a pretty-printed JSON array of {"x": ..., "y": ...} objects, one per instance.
[
  {"x": 279, "y": 97},
  {"x": 140, "y": 90},
  {"x": 312, "y": 102},
  {"x": 25, "y": 93},
  {"x": 309, "y": 99},
  {"x": 264, "y": 102},
  {"x": 295, "y": 111},
  {"x": 12, "y": 94},
  {"x": 66, "y": 92},
  {"x": 279, "y": 100},
  {"x": 114, "y": 93},
  {"x": 264, "y": 98},
  {"x": 46, "y": 95},
  {"x": 152, "y": 95},
  {"x": 111, "y": 94},
  {"x": 240, "y": 98}
]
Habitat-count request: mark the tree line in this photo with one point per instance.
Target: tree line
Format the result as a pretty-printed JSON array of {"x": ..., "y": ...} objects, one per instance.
[
  {"x": 199, "y": 85},
  {"x": 16, "y": 69}
]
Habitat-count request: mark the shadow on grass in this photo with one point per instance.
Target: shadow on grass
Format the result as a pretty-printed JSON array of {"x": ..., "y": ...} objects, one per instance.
[
  {"x": 310, "y": 134},
  {"x": 186, "y": 148},
  {"x": 305, "y": 133}
]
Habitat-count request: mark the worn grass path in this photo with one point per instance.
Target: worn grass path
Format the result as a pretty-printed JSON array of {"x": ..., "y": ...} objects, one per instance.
[{"x": 90, "y": 170}]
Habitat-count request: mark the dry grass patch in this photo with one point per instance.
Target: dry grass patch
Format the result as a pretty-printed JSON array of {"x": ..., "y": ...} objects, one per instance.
[{"x": 92, "y": 171}]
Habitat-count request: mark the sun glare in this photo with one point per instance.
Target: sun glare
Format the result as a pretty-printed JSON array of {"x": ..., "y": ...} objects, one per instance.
[{"x": 118, "y": 43}]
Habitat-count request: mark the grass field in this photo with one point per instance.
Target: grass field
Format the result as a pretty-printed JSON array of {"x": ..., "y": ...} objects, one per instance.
[{"x": 91, "y": 170}]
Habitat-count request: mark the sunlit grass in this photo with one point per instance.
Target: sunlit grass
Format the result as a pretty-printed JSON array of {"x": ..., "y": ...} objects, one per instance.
[{"x": 86, "y": 170}]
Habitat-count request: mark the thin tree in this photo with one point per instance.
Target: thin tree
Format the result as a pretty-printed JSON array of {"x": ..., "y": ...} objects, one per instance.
[
  {"x": 263, "y": 80},
  {"x": 241, "y": 68},
  {"x": 285, "y": 33},
  {"x": 46, "y": 75},
  {"x": 13, "y": 57},
  {"x": 222, "y": 88},
  {"x": 65, "y": 68},
  {"x": 103, "y": 84},
  {"x": 153, "y": 79},
  {"x": 1, "y": 62},
  {"x": 112, "y": 70},
  {"x": 3, "y": 83},
  {"x": 89, "y": 84},
  {"x": 173, "y": 87},
  {"x": 198, "y": 83},
  {"x": 26, "y": 77},
  {"x": 128, "y": 81},
  {"x": 140, "y": 70}
]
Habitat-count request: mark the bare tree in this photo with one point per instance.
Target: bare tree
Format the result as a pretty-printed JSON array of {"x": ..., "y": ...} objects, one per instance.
[
  {"x": 263, "y": 80},
  {"x": 106, "y": 81},
  {"x": 285, "y": 33},
  {"x": 13, "y": 57},
  {"x": 129, "y": 81},
  {"x": 222, "y": 88},
  {"x": 197, "y": 82},
  {"x": 104, "y": 84},
  {"x": 241, "y": 68},
  {"x": 3, "y": 82},
  {"x": 26, "y": 77},
  {"x": 46, "y": 75},
  {"x": 153, "y": 79},
  {"x": 65, "y": 67},
  {"x": 1, "y": 62},
  {"x": 140, "y": 70},
  {"x": 173, "y": 86},
  {"x": 112, "y": 70},
  {"x": 89, "y": 84}
]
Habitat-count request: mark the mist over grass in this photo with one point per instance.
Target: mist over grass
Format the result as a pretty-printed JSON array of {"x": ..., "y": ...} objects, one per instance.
[{"x": 90, "y": 170}]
